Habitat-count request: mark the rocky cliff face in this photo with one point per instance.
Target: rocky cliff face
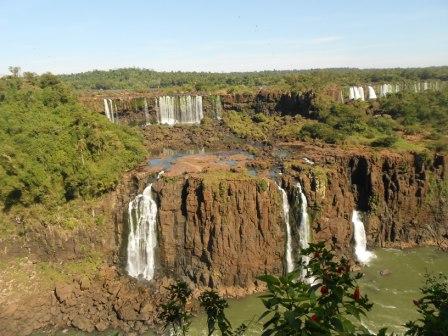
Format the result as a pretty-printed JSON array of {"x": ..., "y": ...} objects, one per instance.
[
  {"x": 403, "y": 198},
  {"x": 221, "y": 233}
]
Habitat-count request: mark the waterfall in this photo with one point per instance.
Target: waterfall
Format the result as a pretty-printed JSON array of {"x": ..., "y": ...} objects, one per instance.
[
  {"x": 361, "y": 93},
  {"x": 351, "y": 94},
  {"x": 361, "y": 252},
  {"x": 109, "y": 109},
  {"x": 218, "y": 107},
  {"x": 304, "y": 228},
  {"x": 146, "y": 111},
  {"x": 106, "y": 108},
  {"x": 371, "y": 92},
  {"x": 357, "y": 93},
  {"x": 289, "y": 259},
  {"x": 180, "y": 110},
  {"x": 142, "y": 239}
]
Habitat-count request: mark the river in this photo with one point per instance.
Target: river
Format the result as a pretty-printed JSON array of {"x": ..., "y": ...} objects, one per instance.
[{"x": 392, "y": 294}]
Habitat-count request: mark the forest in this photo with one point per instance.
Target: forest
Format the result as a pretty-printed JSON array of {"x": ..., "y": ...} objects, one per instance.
[{"x": 145, "y": 79}]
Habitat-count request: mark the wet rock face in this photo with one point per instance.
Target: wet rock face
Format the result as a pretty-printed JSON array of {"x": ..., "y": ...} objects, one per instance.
[{"x": 221, "y": 234}]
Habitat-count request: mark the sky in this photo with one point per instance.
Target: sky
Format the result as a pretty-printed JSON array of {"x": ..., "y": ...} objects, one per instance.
[{"x": 246, "y": 35}]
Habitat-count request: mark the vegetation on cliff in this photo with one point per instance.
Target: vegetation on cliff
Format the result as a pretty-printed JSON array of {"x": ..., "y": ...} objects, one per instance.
[
  {"x": 403, "y": 121},
  {"x": 52, "y": 149}
]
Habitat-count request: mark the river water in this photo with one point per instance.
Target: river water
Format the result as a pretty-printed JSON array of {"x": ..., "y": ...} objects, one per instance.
[{"x": 392, "y": 294}]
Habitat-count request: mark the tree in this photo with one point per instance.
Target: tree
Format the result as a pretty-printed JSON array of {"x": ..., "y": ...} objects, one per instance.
[
  {"x": 14, "y": 70},
  {"x": 433, "y": 308},
  {"x": 174, "y": 315},
  {"x": 325, "y": 302},
  {"x": 214, "y": 307}
]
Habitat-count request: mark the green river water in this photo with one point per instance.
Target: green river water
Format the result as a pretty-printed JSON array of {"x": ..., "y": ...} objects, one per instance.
[{"x": 392, "y": 295}]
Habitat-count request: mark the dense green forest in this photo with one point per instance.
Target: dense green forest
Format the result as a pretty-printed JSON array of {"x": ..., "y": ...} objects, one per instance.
[
  {"x": 54, "y": 150},
  {"x": 144, "y": 79}
]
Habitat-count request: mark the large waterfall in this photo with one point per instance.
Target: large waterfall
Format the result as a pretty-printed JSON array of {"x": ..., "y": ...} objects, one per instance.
[
  {"x": 361, "y": 252},
  {"x": 289, "y": 258},
  {"x": 180, "y": 109},
  {"x": 142, "y": 239}
]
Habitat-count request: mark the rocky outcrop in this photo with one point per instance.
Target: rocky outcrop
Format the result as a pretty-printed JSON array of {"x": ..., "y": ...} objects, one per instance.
[{"x": 221, "y": 233}]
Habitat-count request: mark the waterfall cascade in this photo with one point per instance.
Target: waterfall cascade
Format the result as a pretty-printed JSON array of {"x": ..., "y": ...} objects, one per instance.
[
  {"x": 289, "y": 258},
  {"x": 358, "y": 92},
  {"x": 179, "y": 109},
  {"x": 142, "y": 239},
  {"x": 361, "y": 252},
  {"x": 304, "y": 228}
]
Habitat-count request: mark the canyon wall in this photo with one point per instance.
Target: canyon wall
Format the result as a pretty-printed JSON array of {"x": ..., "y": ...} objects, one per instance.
[{"x": 403, "y": 198}]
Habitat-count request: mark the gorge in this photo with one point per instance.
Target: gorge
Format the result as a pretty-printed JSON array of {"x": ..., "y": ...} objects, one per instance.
[{"x": 223, "y": 194}]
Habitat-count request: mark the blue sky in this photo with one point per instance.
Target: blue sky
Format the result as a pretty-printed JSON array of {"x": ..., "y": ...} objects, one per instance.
[{"x": 245, "y": 35}]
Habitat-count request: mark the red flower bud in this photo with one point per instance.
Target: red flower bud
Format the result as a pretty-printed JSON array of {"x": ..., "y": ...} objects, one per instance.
[
  {"x": 315, "y": 318},
  {"x": 324, "y": 290},
  {"x": 356, "y": 294}
]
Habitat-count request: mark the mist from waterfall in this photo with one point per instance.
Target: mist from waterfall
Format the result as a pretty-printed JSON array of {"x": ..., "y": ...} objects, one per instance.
[
  {"x": 179, "y": 109},
  {"x": 289, "y": 258},
  {"x": 142, "y": 239},
  {"x": 361, "y": 252}
]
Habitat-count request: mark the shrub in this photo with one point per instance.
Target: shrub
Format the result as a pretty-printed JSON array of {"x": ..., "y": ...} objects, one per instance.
[
  {"x": 387, "y": 141},
  {"x": 320, "y": 131}
]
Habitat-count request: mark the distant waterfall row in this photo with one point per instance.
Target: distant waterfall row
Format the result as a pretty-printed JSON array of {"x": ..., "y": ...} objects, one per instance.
[
  {"x": 369, "y": 92},
  {"x": 179, "y": 109}
]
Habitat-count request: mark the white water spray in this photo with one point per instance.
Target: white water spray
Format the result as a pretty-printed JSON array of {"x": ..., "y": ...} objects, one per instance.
[
  {"x": 361, "y": 252},
  {"x": 289, "y": 259},
  {"x": 142, "y": 240}
]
